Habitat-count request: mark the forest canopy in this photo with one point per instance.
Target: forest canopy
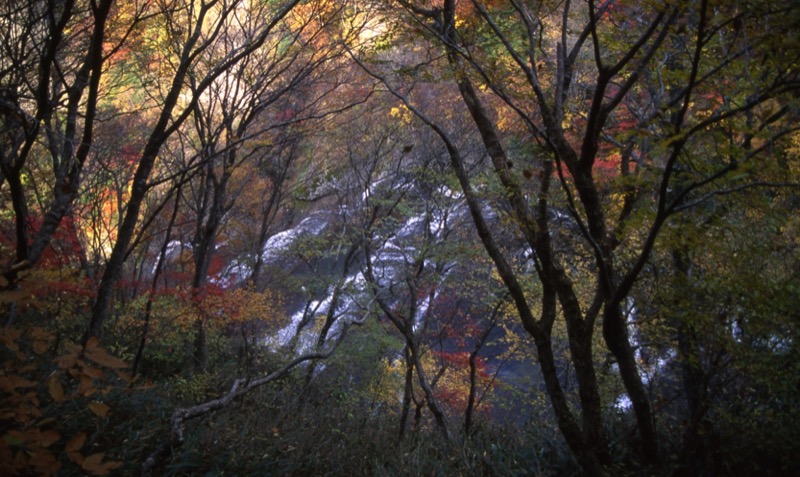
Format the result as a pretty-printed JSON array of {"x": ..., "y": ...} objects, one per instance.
[{"x": 399, "y": 237}]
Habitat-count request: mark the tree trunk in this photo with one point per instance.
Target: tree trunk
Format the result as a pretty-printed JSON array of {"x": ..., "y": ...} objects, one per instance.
[
  {"x": 162, "y": 255},
  {"x": 408, "y": 391},
  {"x": 615, "y": 333}
]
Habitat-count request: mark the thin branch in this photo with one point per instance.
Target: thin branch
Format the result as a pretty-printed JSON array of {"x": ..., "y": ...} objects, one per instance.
[
  {"x": 733, "y": 190},
  {"x": 239, "y": 388}
]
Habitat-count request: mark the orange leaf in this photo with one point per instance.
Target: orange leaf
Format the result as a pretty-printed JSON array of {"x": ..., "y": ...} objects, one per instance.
[
  {"x": 145, "y": 386},
  {"x": 47, "y": 438},
  {"x": 111, "y": 465},
  {"x": 10, "y": 334},
  {"x": 66, "y": 361},
  {"x": 102, "y": 358},
  {"x": 124, "y": 376},
  {"x": 76, "y": 457},
  {"x": 55, "y": 389},
  {"x": 28, "y": 368},
  {"x": 92, "y": 343},
  {"x": 99, "y": 409},
  {"x": 39, "y": 333},
  {"x": 93, "y": 372},
  {"x": 92, "y": 461},
  {"x": 45, "y": 463},
  {"x": 15, "y": 437},
  {"x": 85, "y": 387},
  {"x": 20, "y": 460},
  {"x": 75, "y": 442},
  {"x": 10, "y": 383},
  {"x": 94, "y": 465},
  {"x": 40, "y": 346},
  {"x": 6, "y": 456},
  {"x": 13, "y": 296}
]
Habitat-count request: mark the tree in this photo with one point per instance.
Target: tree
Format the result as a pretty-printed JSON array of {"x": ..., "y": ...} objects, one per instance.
[
  {"x": 207, "y": 27},
  {"x": 613, "y": 134},
  {"x": 715, "y": 310},
  {"x": 230, "y": 114},
  {"x": 52, "y": 90}
]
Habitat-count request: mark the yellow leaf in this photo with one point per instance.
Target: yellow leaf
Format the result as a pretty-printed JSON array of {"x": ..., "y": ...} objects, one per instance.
[
  {"x": 55, "y": 389},
  {"x": 75, "y": 442},
  {"x": 98, "y": 408}
]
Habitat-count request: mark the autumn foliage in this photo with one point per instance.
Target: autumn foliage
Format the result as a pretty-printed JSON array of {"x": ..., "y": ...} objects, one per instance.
[
  {"x": 38, "y": 438},
  {"x": 399, "y": 237}
]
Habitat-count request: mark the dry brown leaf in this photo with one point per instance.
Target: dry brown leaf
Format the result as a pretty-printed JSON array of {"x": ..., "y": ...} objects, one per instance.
[
  {"x": 39, "y": 333},
  {"x": 47, "y": 438},
  {"x": 67, "y": 361},
  {"x": 15, "y": 437},
  {"x": 76, "y": 457},
  {"x": 10, "y": 383},
  {"x": 101, "y": 357},
  {"x": 14, "y": 296},
  {"x": 95, "y": 458},
  {"x": 6, "y": 455},
  {"x": 93, "y": 372},
  {"x": 91, "y": 343},
  {"x": 20, "y": 460},
  {"x": 94, "y": 464},
  {"x": 75, "y": 443},
  {"x": 99, "y": 409},
  {"x": 40, "y": 346},
  {"x": 28, "y": 368},
  {"x": 110, "y": 465},
  {"x": 85, "y": 387},
  {"x": 45, "y": 463},
  {"x": 92, "y": 461},
  {"x": 128, "y": 378},
  {"x": 145, "y": 386},
  {"x": 55, "y": 389}
]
